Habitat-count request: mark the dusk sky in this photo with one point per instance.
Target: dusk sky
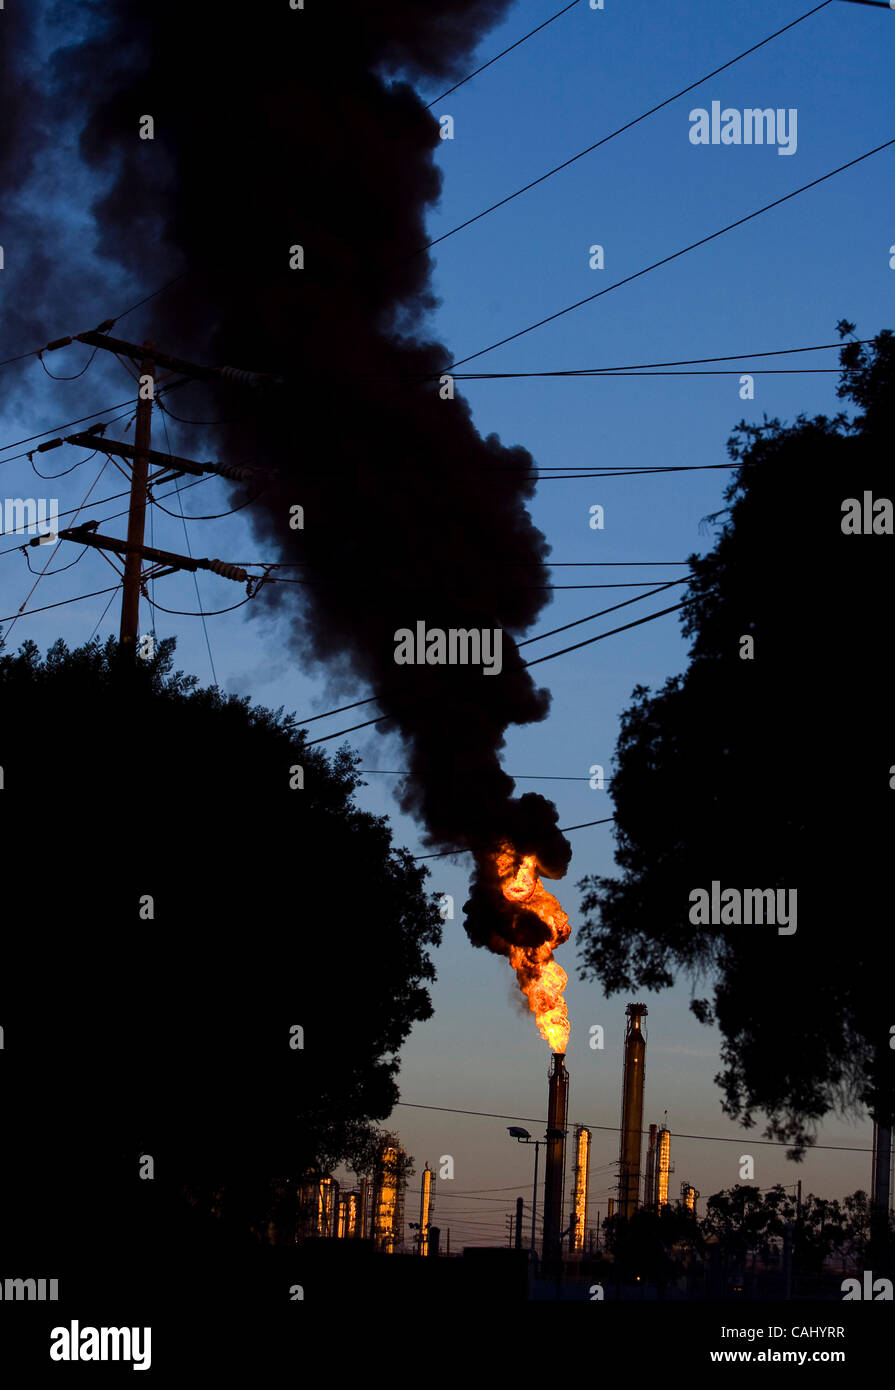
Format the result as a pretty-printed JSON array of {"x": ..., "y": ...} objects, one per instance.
[{"x": 781, "y": 281}]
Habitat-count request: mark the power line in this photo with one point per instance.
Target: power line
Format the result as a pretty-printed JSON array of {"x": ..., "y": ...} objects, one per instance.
[
  {"x": 190, "y": 554},
  {"x": 105, "y": 610},
  {"x": 596, "y": 476},
  {"x": 46, "y": 569},
  {"x": 60, "y": 604},
  {"x": 616, "y": 1129},
  {"x": 114, "y": 517},
  {"x": 551, "y": 564},
  {"x": 620, "y": 131},
  {"x": 513, "y": 584},
  {"x": 552, "y": 632},
  {"x": 640, "y": 366},
  {"x": 21, "y": 357},
  {"x": 703, "y": 241},
  {"x": 517, "y": 776},
  {"x": 503, "y": 54},
  {"x": 54, "y": 477},
  {"x": 203, "y": 613},
  {"x": 60, "y": 570},
  {"x": 104, "y": 327},
  {"x": 141, "y": 302},
  {"x": 651, "y": 617},
  {"x": 55, "y": 429},
  {"x": 644, "y": 366},
  {"x": 53, "y": 375},
  {"x": 595, "y": 376},
  {"x": 471, "y": 849},
  {"x": 550, "y": 656}
]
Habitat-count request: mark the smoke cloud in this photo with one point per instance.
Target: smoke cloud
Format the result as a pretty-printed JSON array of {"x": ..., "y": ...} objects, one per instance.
[{"x": 275, "y": 128}]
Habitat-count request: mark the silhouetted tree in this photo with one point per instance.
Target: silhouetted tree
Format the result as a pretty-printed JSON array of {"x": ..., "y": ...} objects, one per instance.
[
  {"x": 774, "y": 772},
  {"x": 170, "y": 1027}
]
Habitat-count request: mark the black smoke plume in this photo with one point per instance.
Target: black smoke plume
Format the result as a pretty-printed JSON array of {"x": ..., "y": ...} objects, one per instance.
[{"x": 273, "y": 128}]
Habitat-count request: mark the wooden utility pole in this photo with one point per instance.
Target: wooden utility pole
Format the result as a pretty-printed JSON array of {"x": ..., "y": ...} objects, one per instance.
[
  {"x": 136, "y": 518},
  {"x": 170, "y": 466}
]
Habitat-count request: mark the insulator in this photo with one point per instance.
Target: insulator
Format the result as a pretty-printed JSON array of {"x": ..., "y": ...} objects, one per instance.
[
  {"x": 235, "y": 471},
  {"x": 242, "y": 473},
  {"x": 243, "y": 378},
  {"x": 228, "y": 571},
  {"x": 50, "y": 444},
  {"x": 57, "y": 343}
]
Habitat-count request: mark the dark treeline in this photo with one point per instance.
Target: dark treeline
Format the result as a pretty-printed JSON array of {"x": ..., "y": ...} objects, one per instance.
[{"x": 170, "y": 1035}]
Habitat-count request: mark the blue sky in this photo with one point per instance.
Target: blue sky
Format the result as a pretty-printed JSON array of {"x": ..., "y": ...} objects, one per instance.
[{"x": 781, "y": 281}]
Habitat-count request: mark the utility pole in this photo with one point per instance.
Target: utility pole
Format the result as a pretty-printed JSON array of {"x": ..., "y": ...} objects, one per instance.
[
  {"x": 170, "y": 466},
  {"x": 136, "y": 518}
]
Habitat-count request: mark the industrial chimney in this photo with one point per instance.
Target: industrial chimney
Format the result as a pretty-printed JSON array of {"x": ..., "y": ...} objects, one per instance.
[
  {"x": 426, "y": 1205},
  {"x": 663, "y": 1166},
  {"x": 632, "y": 1113},
  {"x": 580, "y": 1184},
  {"x": 649, "y": 1177},
  {"x": 555, "y": 1175}
]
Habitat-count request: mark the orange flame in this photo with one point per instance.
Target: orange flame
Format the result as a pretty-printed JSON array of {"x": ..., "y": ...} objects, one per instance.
[{"x": 541, "y": 980}]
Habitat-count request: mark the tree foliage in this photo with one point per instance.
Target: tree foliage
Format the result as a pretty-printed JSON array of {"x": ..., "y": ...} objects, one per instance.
[
  {"x": 170, "y": 1031},
  {"x": 773, "y": 772},
  {"x": 748, "y": 1224}
]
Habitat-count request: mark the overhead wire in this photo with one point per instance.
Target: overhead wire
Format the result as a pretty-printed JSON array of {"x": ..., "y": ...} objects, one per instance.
[
  {"x": 383, "y": 718},
  {"x": 60, "y": 570},
  {"x": 113, "y": 498},
  {"x": 513, "y": 584},
  {"x": 616, "y": 1129},
  {"x": 620, "y": 131},
  {"x": 636, "y": 375},
  {"x": 203, "y": 613},
  {"x": 190, "y": 554},
  {"x": 104, "y": 612},
  {"x": 52, "y": 477},
  {"x": 552, "y": 632},
  {"x": 517, "y": 776},
  {"x": 60, "y": 604},
  {"x": 55, "y": 429},
  {"x": 54, "y": 376},
  {"x": 638, "y": 366},
  {"x": 140, "y": 302},
  {"x": 45, "y": 571},
  {"x": 675, "y": 255},
  {"x": 502, "y": 54},
  {"x": 472, "y": 849}
]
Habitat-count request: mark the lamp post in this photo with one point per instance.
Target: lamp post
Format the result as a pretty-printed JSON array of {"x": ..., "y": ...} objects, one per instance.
[{"x": 522, "y": 1136}]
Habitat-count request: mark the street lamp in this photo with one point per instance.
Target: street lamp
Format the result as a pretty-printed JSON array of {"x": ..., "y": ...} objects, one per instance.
[{"x": 522, "y": 1136}]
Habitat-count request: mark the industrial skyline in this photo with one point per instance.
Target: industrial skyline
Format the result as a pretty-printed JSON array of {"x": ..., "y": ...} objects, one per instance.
[{"x": 465, "y": 389}]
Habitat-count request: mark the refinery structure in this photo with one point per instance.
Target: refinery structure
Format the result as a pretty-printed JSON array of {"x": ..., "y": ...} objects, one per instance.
[
  {"x": 562, "y": 1230},
  {"x": 374, "y": 1209},
  {"x": 643, "y": 1178},
  {"x": 615, "y": 1223}
]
